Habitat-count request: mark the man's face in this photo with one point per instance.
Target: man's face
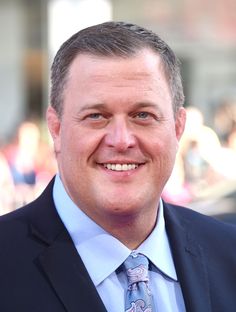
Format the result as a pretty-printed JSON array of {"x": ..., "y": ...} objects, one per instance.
[{"x": 117, "y": 138}]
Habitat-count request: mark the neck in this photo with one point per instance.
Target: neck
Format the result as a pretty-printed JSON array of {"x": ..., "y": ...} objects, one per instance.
[{"x": 131, "y": 230}]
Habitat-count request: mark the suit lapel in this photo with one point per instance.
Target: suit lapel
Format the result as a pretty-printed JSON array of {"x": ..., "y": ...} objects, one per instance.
[
  {"x": 69, "y": 277},
  {"x": 60, "y": 261},
  {"x": 189, "y": 262}
]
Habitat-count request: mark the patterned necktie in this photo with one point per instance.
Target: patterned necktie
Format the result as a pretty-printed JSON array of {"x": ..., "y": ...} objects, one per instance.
[{"x": 138, "y": 297}]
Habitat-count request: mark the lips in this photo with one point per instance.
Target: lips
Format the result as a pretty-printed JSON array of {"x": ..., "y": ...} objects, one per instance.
[{"x": 121, "y": 167}]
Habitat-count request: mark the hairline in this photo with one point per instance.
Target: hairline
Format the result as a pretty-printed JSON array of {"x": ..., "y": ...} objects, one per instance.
[{"x": 127, "y": 55}]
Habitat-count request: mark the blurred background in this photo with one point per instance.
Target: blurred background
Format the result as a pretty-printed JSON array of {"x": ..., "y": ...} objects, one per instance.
[{"x": 203, "y": 35}]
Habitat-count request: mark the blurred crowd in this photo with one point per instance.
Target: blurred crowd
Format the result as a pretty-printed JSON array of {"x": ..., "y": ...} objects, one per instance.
[
  {"x": 27, "y": 164},
  {"x": 206, "y": 158}
]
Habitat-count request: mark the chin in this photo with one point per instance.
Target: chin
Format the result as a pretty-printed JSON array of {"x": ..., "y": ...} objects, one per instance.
[{"x": 123, "y": 207}]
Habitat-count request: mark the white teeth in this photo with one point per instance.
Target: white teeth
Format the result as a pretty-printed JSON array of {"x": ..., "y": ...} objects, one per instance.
[
  {"x": 113, "y": 167},
  {"x": 124, "y": 167},
  {"x": 121, "y": 167}
]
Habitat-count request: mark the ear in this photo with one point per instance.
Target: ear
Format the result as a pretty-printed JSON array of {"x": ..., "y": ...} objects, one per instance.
[
  {"x": 54, "y": 126},
  {"x": 180, "y": 120}
]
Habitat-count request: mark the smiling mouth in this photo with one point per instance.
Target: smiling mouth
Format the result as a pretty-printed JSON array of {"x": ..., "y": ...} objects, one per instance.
[{"x": 121, "y": 167}]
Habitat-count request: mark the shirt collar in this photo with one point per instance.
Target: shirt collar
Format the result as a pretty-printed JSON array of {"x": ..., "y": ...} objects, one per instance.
[
  {"x": 98, "y": 249},
  {"x": 157, "y": 248}
]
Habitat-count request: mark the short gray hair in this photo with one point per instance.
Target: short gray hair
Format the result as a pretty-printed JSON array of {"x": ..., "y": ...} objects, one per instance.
[{"x": 109, "y": 39}]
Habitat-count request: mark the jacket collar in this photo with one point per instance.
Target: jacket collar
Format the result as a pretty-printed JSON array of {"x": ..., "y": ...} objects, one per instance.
[
  {"x": 189, "y": 260},
  {"x": 59, "y": 260}
]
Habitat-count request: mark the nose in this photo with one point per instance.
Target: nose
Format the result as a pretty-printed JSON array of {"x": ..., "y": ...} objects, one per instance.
[{"x": 120, "y": 135}]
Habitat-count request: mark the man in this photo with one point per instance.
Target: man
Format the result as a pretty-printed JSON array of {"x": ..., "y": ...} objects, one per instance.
[{"x": 116, "y": 118}]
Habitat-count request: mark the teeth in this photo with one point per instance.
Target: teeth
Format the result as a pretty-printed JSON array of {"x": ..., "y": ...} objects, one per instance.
[{"x": 121, "y": 167}]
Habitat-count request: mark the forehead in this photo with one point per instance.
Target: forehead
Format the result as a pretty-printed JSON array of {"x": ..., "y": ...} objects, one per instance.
[
  {"x": 101, "y": 79},
  {"x": 118, "y": 83},
  {"x": 143, "y": 63}
]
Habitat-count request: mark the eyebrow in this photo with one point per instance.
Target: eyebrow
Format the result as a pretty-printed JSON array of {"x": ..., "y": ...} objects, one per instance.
[
  {"x": 102, "y": 106},
  {"x": 92, "y": 106},
  {"x": 146, "y": 104}
]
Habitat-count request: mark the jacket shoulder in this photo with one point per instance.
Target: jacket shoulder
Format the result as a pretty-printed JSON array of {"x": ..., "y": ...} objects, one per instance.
[
  {"x": 37, "y": 216},
  {"x": 202, "y": 227}
]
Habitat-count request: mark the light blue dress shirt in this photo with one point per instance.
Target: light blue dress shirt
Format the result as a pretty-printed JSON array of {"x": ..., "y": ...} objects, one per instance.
[{"x": 103, "y": 254}]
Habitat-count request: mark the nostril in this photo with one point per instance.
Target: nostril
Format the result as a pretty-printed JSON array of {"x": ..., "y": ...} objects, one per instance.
[
  {"x": 120, "y": 143},
  {"x": 119, "y": 135}
]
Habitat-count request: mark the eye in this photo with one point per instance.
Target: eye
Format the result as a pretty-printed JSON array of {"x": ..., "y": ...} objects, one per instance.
[
  {"x": 95, "y": 116},
  {"x": 96, "y": 119},
  {"x": 142, "y": 115},
  {"x": 145, "y": 117}
]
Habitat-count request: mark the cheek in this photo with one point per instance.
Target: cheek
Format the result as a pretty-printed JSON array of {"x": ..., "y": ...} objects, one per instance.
[
  {"x": 164, "y": 150},
  {"x": 79, "y": 145},
  {"x": 163, "y": 142}
]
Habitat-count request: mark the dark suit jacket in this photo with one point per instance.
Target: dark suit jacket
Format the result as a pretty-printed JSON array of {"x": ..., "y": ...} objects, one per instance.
[{"x": 40, "y": 270}]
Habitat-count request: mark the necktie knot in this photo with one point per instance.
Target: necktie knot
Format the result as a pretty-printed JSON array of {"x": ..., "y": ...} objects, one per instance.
[
  {"x": 138, "y": 296},
  {"x": 136, "y": 267}
]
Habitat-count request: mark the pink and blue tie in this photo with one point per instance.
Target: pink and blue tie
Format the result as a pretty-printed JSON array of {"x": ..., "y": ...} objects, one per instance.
[{"x": 138, "y": 297}]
